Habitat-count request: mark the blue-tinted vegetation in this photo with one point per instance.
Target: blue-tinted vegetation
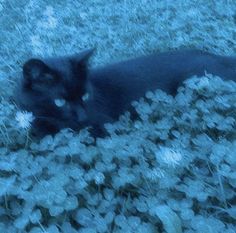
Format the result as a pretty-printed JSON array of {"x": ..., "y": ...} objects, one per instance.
[{"x": 172, "y": 170}]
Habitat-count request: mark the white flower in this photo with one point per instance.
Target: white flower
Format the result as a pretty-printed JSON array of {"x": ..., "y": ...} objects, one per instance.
[
  {"x": 49, "y": 11},
  {"x": 24, "y": 119},
  {"x": 99, "y": 178},
  {"x": 48, "y": 21},
  {"x": 170, "y": 156}
]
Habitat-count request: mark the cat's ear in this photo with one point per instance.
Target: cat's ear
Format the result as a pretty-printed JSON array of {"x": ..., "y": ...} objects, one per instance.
[
  {"x": 82, "y": 58},
  {"x": 80, "y": 66},
  {"x": 35, "y": 70}
]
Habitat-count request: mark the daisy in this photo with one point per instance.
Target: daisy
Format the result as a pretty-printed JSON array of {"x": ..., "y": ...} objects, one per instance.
[{"x": 24, "y": 119}]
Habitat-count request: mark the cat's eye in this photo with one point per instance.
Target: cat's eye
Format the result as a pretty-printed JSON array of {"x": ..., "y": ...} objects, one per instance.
[
  {"x": 59, "y": 102},
  {"x": 85, "y": 97}
]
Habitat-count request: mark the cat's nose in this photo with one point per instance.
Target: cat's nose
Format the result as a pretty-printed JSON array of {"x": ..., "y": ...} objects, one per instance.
[
  {"x": 78, "y": 113},
  {"x": 81, "y": 115}
]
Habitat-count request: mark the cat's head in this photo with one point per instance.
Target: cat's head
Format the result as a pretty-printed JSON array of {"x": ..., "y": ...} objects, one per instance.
[{"x": 53, "y": 90}]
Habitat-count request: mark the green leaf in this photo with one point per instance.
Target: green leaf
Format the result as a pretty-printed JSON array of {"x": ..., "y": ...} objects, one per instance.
[{"x": 169, "y": 218}]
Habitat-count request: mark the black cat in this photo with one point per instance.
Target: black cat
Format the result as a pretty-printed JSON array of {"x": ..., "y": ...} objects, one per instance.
[{"x": 64, "y": 93}]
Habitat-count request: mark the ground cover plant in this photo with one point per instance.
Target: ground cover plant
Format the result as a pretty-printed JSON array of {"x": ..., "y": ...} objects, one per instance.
[{"x": 172, "y": 170}]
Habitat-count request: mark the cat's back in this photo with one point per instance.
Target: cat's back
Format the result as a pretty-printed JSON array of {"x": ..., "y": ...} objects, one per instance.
[{"x": 164, "y": 70}]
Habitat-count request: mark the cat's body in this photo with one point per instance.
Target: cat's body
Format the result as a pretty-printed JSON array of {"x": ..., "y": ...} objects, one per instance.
[{"x": 109, "y": 90}]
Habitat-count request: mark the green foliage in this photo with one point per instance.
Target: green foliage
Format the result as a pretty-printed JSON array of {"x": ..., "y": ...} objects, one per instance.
[
  {"x": 178, "y": 155},
  {"x": 168, "y": 170}
]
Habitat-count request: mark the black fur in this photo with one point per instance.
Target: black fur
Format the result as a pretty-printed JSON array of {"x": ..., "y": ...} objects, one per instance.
[{"x": 111, "y": 88}]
